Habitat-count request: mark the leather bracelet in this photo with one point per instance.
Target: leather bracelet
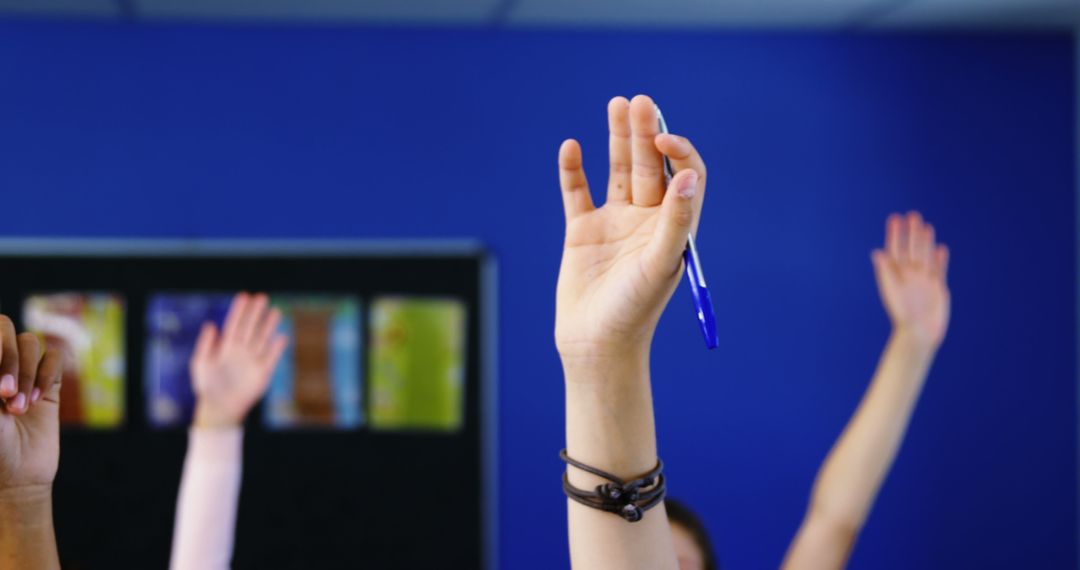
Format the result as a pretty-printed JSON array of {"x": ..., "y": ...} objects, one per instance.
[{"x": 623, "y": 498}]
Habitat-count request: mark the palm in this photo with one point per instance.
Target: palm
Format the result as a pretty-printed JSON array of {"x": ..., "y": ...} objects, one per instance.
[
  {"x": 233, "y": 380},
  {"x": 31, "y": 445},
  {"x": 231, "y": 371},
  {"x": 920, "y": 301},
  {"x": 911, "y": 273},
  {"x": 621, "y": 262},
  {"x": 605, "y": 282}
]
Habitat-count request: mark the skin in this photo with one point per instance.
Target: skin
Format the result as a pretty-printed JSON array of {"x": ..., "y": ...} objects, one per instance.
[
  {"x": 621, "y": 263},
  {"x": 231, "y": 368},
  {"x": 911, "y": 274},
  {"x": 29, "y": 449},
  {"x": 230, "y": 372}
]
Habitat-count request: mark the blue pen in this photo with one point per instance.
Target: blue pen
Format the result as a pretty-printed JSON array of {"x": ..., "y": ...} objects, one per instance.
[{"x": 702, "y": 300}]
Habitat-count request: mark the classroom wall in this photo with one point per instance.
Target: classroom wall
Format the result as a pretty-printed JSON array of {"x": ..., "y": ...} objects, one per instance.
[{"x": 811, "y": 139}]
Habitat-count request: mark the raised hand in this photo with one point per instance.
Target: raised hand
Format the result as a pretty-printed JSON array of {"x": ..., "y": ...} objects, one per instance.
[
  {"x": 911, "y": 279},
  {"x": 621, "y": 262},
  {"x": 29, "y": 449},
  {"x": 29, "y": 415},
  {"x": 911, "y": 272},
  {"x": 231, "y": 369}
]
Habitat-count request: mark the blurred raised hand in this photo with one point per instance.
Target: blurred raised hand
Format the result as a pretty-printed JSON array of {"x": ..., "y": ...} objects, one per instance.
[
  {"x": 231, "y": 368},
  {"x": 29, "y": 418},
  {"x": 29, "y": 449},
  {"x": 621, "y": 262},
  {"x": 911, "y": 276}
]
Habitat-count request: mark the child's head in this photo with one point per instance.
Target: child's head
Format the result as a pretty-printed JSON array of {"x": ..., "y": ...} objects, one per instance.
[{"x": 692, "y": 544}]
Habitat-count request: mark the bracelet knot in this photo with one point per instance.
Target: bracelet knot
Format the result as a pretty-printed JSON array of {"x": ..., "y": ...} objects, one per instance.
[{"x": 623, "y": 498}]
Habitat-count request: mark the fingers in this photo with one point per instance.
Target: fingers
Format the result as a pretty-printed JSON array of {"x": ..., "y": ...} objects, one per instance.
[
  {"x": 621, "y": 159},
  {"x": 274, "y": 350},
  {"x": 48, "y": 377},
  {"x": 249, "y": 319},
  {"x": 894, "y": 237},
  {"x": 647, "y": 172},
  {"x": 236, "y": 311},
  {"x": 916, "y": 238},
  {"x": 29, "y": 357},
  {"x": 267, "y": 325},
  {"x": 879, "y": 258},
  {"x": 21, "y": 363},
  {"x": 884, "y": 265},
  {"x": 9, "y": 359},
  {"x": 941, "y": 262},
  {"x": 683, "y": 155},
  {"x": 575, "y": 189},
  {"x": 676, "y": 221},
  {"x": 249, "y": 324},
  {"x": 910, "y": 240},
  {"x": 929, "y": 245},
  {"x": 204, "y": 345}
]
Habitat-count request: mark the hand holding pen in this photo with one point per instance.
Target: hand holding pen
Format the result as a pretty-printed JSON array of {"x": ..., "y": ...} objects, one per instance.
[
  {"x": 622, "y": 261},
  {"x": 694, "y": 274}
]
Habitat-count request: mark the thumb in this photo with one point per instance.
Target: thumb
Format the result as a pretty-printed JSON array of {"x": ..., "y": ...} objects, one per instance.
[
  {"x": 884, "y": 270},
  {"x": 677, "y": 214},
  {"x": 885, "y": 275}
]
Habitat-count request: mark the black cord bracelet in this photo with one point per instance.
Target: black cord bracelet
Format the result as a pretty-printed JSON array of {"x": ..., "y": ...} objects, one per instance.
[{"x": 623, "y": 498}]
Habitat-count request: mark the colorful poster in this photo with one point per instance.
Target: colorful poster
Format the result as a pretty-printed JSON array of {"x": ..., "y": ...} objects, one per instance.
[
  {"x": 173, "y": 322},
  {"x": 417, "y": 364},
  {"x": 317, "y": 383},
  {"x": 88, "y": 329}
]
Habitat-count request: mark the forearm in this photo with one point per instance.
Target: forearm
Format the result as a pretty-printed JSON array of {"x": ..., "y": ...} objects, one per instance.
[
  {"x": 853, "y": 473},
  {"x": 610, "y": 425},
  {"x": 208, "y": 498},
  {"x": 27, "y": 539}
]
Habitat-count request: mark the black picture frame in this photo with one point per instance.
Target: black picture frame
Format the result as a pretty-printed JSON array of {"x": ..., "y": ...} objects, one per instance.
[{"x": 311, "y": 498}]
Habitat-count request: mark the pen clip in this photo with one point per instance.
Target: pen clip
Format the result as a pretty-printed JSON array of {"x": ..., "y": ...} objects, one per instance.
[{"x": 669, "y": 172}]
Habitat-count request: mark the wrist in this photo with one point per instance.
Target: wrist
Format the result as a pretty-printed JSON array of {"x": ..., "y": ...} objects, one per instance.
[
  {"x": 26, "y": 505},
  {"x": 27, "y": 539},
  {"x": 29, "y": 495},
  {"x": 206, "y": 417},
  {"x": 579, "y": 340},
  {"x": 623, "y": 369},
  {"x": 584, "y": 354},
  {"x": 915, "y": 341}
]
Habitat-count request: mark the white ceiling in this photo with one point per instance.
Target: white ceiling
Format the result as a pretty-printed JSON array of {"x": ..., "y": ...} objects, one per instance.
[{"x": 836, "y": 14}]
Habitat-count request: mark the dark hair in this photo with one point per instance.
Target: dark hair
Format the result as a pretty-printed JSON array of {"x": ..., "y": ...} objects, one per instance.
[{"x": 681, "y": 515}]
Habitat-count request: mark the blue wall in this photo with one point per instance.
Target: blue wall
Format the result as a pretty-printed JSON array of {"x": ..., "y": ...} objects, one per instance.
[{"x": 811, "y": 140}]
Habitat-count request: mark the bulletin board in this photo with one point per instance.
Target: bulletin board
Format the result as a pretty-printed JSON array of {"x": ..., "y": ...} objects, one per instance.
[{"x": 374, "y": 447}]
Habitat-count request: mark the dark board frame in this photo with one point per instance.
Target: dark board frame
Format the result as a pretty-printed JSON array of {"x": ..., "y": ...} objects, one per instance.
[{"x": 399, "y": 500}]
